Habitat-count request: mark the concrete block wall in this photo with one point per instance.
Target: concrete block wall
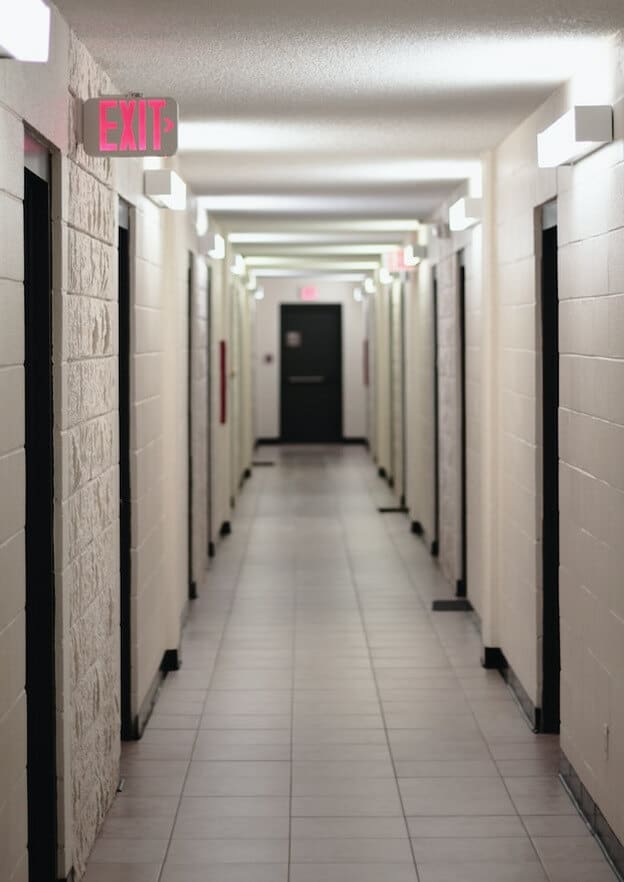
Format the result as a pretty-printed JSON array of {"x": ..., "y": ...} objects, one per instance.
[
  {"x": 199, "y": 407},
  {"x": 86, "y": 446},
  {"x": 13, "y": 807},
  {"x": 397, "y": 379}
]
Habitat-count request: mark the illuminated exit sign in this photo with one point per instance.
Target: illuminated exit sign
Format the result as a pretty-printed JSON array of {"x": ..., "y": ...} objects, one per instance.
[
  {"x": 308, "y": 293},
  {"x": 126, "y": 126}
]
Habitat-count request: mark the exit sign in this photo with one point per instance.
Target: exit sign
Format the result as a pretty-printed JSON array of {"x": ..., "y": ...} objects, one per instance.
[
  {"x": 126, "y": 126},
  {"x": 308, "y": 293}
]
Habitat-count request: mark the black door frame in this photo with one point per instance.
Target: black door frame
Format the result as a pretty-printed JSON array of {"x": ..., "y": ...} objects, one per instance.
[
  {"x": 462, "y": 582},
  {"x": 337, "y": 309},
  {"x": 435, "y": 542},
  {"x": 39, "y": 543},
  {"x": 549, "y": 718},
  {"x": 128, "y": 721},
  {"x": 192, "y": 585}
]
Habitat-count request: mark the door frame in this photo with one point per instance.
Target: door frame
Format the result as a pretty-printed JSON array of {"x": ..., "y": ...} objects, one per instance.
[
  {"x": 549, "y": 713},
  {"x": 337, "y": 310},
  {"x": 125, "y": 312},
  {"x": 462, "y": 581},
  {"x": 40, "y": 597}
]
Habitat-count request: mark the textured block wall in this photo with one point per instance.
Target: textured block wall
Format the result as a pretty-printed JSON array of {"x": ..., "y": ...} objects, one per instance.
[
  {"x": 200, "y": 365},
  {"x": 396, "y": 371},
  {"x": 87, "y": 475},
  {"x": 13, "y": 819}
]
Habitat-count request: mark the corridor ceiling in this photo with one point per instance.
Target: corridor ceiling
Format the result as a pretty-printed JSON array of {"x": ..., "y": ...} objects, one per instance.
[{"x": 299, "y": 109}]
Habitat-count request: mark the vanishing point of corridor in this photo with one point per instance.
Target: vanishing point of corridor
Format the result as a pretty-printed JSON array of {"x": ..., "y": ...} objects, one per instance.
[{"x": 325, "y": 726}]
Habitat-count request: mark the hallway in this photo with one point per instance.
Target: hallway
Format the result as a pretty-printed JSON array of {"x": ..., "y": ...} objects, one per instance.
[{"x": 325, "y": 726}]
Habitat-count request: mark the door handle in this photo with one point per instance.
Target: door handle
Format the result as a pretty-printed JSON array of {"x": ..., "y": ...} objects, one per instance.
[{"x": 308, "y": 379}]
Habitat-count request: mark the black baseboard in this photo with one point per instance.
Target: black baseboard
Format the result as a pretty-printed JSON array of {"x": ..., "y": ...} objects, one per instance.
[
  {"x": 452, "y": 604},
  {"x": 263, "y": 463},
  {"x": 493, "y": 659},
  {"x": 612, "y": 846},
  {"x": 145, "y": 711},
  {"x": 417, "y": 528},
  {"x": 382, "y": 472},
  {"x": 435, "y": 548},
  {"x": 211, "y": 549},
  {"x": 193, "y": 591},
  {"x": 275, "y": 442},
  {"x": 171, "y": 661},
  {"x": 396, "y": 509},
  {"x": 226, "y": 528},
  {"x": 247, "y": 474},
  {"x": 531, "y": 712}
]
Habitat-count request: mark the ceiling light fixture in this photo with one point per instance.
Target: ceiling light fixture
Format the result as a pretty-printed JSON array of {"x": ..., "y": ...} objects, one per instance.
[
  {"x": 24, "y": 30},
  {"x": 464, "y": 213},
  {"x": 166, "y": 189},
  {"x": 577, "y": 133}
]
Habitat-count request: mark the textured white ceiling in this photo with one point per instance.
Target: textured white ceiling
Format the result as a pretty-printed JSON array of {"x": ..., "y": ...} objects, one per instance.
[{"x": 324, "y": 105}]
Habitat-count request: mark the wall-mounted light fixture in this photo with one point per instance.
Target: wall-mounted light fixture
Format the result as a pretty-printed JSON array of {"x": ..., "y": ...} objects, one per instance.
[
  {"x": 165, "y": 188},
  {"x": 464, "y": 213},
  {"x": 440, "y": 231},
  {"x": 238, "y": 268},
  {"x": 213, "y": 245},
  {"x": 201, "y": 221},
  {"x": 259, "y": 294},
  {"x": 413, "y": 254},
  {"x": 385, "y": 276},
  {"x": 577, "y": 133},
  {"x": 251, "y": 282},
  {"x": 25, "y": 30},
  {"x": 369, "y": 285},
  {"x": 358, "y": 295}
]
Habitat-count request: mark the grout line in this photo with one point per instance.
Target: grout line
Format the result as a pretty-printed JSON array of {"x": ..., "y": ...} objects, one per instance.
[
  {"x": 374, "y": 675},
  {"x": 233, "y": 591}
]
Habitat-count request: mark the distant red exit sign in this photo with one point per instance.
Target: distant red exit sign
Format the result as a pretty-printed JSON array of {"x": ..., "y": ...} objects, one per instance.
[
  {"x": 309, "y": 292},
  {"x": 126, "y": 126}
]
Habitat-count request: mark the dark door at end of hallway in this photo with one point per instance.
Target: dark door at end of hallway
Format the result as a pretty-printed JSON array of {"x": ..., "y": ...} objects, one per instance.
[{"x": 311, "y": 353}]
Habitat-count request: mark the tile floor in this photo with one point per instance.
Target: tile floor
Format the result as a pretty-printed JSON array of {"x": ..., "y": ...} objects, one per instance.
[{"x": 326, "y": 726}]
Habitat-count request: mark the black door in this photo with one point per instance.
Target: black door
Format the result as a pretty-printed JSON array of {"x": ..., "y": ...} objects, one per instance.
[
  {"x": 462, "y": 582},
  {"x": 435, "y": 542},
  {"x": 550, "y": 520},
  {"x": 40, "y": 663},
  {"x": 311, "y": 351},
  {"x": 128, "y": 724}
]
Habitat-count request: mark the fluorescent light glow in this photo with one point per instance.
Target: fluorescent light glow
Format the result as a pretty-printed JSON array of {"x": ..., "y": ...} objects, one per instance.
[
  {"x": 465, "y": 213},
  {"x": 251, "y": 282},
  {"x": 358, "y": 296},
  {"x": 24, "y": 30},
  {"x": 577, "y": 133},
  {"x": 259, "y": 294},
  {"x": 166, "y": 189},
  {"x": 385, "y": 276},
  {"x": 238, "y": 268},
  {"x": 201, "y": 221},
  {"x": 413, "y": 254},
  {"x": 369, "y": 285}
]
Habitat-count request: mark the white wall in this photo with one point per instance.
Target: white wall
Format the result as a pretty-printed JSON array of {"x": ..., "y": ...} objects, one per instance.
[{"x": 267, "y": 342}]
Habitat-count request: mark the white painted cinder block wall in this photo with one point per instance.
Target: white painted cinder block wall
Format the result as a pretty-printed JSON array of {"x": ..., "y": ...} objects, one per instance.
[
  {"x": 504, "y": 433},
  {"x": 267, "y": 342},
  {"x": 86, "y": 444}
]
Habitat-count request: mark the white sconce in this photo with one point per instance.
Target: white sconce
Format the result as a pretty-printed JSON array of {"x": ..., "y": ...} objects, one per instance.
[
  {"x": 369, "y": 285},
  {"x": 577, "y": 133},
  {"x": 440, "y": 231},
  {"x": 385, "y": 276},
  {"x": 259, "y": 294},
  {"x": 166, "y": 189},
  {"x": 24, "y": 30},
  {"x": 213, "y": 245},
  {"x": 238, "y": 267},
  {"x": 201, "y": 221},
  {"x": 464, "y": 213},
  {"x": 251, "y": 282},
  {"x": 358, "y": 296},
  {"x": 413, "y": 254}
]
